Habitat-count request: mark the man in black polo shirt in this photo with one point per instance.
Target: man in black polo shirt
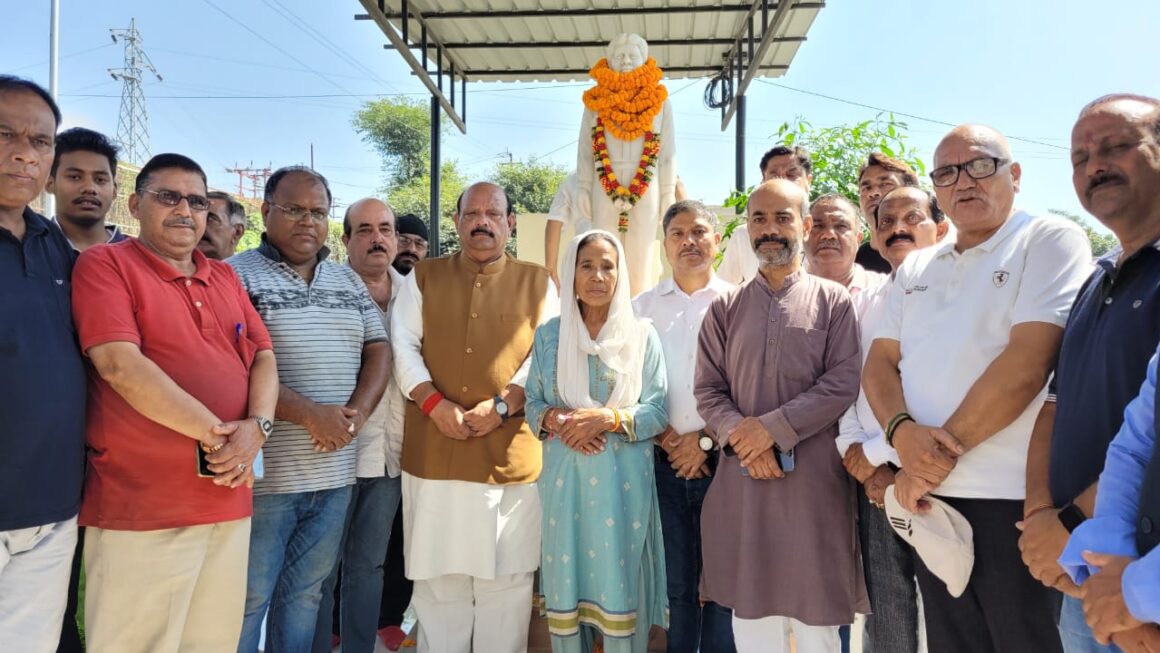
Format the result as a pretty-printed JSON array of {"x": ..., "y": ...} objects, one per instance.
[
  {"x": 42, "y": 383},
  {"x": 1110, "y": 336}
]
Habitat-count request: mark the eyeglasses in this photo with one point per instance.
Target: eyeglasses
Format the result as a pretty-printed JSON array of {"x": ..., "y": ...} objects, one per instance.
[
  {"x": 980, "y": 168},
  {"x": 173, "y": 198},
  {"x": 410, "y": 241},
  {"x": 911, "y": 219},
  {"x": 298, "y": 212}
]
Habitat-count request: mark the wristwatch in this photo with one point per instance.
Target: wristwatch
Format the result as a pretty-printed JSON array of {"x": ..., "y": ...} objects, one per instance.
[
  {"x": 1071, "y": 517},
  {"x": 501, "y": 408},
  {"x": 266, "y": 425},
  {"x": 704, "y": 441}
]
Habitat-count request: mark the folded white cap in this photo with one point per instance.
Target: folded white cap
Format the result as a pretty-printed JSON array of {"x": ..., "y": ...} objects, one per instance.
[{"x": 940, "y": 536}]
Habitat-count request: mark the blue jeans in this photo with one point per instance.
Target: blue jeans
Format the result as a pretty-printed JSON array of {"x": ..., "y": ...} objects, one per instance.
[
  {"x": 294, "y": 543},
  {"x": 690, "y": 624},
  {"x": 368, "y": 531},
  {"x": 1073, "y": 630}
]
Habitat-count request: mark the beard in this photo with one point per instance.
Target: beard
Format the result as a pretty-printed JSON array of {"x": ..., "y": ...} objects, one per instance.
[{"x": 792, "y": 248}]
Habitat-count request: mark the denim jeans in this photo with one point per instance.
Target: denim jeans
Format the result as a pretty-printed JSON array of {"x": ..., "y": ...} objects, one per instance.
[
  {"x": 890, "y": 583},
  {"x": 1076, "y": 635},
  {"x": 295, "y": 540},
  {"x": 690, "y": 625},
  {"x": 368, "y": 530}
]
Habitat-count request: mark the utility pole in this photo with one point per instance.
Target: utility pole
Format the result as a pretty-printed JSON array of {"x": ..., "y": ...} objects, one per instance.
[
  {"x": 133, "y": 126},
  {"x": 53, "y": 79},
  {"x": 257, "y": 177}
]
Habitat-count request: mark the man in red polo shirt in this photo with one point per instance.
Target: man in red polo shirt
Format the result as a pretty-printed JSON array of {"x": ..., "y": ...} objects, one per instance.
[{"x": 181, "y": 366}]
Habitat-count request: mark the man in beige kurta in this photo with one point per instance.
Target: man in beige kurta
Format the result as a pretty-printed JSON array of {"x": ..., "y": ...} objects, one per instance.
[
  {"x": 778, "y": 364},
  {"x": 463, "y": 327}
]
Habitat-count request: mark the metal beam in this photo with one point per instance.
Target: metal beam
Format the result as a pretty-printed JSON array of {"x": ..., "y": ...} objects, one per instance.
[
  {"x": 513, "y": 45},
  {"x": 580, "y": 13},
  {"x": 749, "y": 71},
  {"x": 480, "y": 73},
  {"x": 433, "y": 244},
  {"x": 418, "y": 68}
]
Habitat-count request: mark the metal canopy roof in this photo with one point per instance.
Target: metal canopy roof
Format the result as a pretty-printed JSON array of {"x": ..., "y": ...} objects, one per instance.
[{"x": 559, "y": 40}]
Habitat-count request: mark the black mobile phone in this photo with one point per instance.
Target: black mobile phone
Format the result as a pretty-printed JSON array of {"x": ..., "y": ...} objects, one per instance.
[
  {"x": 784, "y": 458},
  {"x": 202, "y": 463}
]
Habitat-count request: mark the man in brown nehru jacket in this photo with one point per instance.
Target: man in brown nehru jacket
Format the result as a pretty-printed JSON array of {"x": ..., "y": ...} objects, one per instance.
[{"x": 471, "y": 510}]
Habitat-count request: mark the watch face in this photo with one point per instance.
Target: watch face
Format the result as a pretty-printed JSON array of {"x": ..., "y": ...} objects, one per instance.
[
  {"x": 501, "y": 407},
  {"x": 706, "y": 443}
]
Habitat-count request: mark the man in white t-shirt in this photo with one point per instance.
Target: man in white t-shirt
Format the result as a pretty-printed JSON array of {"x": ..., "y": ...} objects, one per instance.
[
  {"x": 563, "y": 212},
  {"x": 957, "y": 373}
]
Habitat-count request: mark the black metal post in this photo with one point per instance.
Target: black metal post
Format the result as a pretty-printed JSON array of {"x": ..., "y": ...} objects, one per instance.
[
  {"x": 436, "y": 164},
  {"x": 739, "y": 134}
]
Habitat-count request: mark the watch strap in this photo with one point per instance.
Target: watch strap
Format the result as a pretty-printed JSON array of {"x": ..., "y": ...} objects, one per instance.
[{"x": 1071, "y": 517}]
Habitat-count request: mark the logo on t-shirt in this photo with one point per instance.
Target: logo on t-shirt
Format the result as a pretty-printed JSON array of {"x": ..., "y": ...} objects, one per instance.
[{"x": 1000, "y": 278}]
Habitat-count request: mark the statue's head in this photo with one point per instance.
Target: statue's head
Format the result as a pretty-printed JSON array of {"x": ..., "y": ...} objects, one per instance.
[{"x": 627, "y": 52}]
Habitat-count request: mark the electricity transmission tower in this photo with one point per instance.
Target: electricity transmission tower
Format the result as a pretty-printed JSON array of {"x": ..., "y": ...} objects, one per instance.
[{"x": 133, "y": 126}]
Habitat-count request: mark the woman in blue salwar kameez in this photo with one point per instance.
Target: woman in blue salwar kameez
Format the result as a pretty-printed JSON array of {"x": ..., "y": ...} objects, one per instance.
[{"x": 596, "y": 392}]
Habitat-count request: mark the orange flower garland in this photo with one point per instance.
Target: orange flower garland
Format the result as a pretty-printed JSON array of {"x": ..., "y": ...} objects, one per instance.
[
  {"x": 624, "y": 198},
  {"x": 626, "y": 102}
]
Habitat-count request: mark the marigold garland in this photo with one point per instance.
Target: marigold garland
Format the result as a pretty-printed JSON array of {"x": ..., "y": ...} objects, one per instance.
[
  {"x": 626, "y": 102},
  {"x": 624, "y": 198}
]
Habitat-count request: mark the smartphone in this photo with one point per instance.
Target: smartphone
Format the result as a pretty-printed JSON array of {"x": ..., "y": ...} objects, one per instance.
[
  {"x": 202, "y": 462},
  {"x": 785, "y": 459}
]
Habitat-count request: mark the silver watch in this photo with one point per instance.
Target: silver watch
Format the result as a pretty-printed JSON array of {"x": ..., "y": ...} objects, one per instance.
[
  {"x": 265, "y": 424},
  {"x": 501, "y": 408},
  {"x": 705, "y": 442}
]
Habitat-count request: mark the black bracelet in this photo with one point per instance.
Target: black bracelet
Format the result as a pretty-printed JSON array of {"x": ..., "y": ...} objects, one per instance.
[{"x": 895, "y": 422}]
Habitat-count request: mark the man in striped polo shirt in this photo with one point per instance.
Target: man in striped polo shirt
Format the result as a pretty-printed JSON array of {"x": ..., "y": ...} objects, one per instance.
[{"x": 334, "y": 362}]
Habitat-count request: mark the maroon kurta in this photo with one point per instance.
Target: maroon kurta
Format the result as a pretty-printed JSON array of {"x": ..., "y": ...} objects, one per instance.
[{"x": 783, "y": 547}]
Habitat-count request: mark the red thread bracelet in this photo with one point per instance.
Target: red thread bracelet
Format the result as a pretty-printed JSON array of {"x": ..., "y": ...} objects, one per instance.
[{"x": 431, "y": 402}]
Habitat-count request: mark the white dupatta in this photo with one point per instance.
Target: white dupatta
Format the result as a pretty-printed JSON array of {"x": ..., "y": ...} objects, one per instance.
[{"x": 620, "y": 344}]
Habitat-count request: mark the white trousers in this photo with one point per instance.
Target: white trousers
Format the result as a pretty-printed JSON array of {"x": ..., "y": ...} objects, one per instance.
[
  {"x": 771, "y": 635},
  {"x": 459, "y": 613},
  {"x": 34, "y": 568}
]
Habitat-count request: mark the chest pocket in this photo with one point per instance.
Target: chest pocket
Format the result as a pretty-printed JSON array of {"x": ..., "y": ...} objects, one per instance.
[{"x": 803, "y": 352}]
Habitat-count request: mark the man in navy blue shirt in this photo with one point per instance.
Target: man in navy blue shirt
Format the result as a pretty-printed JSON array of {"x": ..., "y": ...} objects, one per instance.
[
  {"x": 1111, "y": 333},
  {"x": 42, "y": 387}
]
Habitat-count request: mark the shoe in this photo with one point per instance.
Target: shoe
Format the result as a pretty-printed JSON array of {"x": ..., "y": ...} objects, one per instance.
[{"x": 393, "y": 637}]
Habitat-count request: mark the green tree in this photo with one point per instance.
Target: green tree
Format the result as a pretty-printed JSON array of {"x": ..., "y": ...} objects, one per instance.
[
  {"x": 531, "y": 186},
  {"x": 1101, "y": 243},
  {"x": 399, "y": 130}
]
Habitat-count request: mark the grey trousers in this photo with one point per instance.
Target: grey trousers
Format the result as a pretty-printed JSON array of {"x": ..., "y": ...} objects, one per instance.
[{"x": 889, "y": 563}]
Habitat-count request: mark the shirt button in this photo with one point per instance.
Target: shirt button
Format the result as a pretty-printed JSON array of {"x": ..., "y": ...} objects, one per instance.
[
  {"x": 474, "y": 315},
  {"x": 771, "y": 341},
  {"x": 468, "y": 350},
  {"x": 197, "y": 304},
  {"x": 478, "y": 284},
  {"x": 1108, "y": 300},
  {"x": 1145, "y": 525},
  {"x": 464, "y": 388},
  {"x": 188, "y": 282},
  {"x": 1137, "y": 303}
]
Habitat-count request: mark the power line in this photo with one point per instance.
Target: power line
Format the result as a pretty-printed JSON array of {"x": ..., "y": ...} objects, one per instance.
[
  {"x": 133, "y": 124},
  {"x": 900, "y": 113}
]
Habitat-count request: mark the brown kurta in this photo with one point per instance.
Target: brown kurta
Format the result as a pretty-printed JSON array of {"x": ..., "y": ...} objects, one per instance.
[
  {"x": 783, "y": 547},
  {"x": 478, "y": 326}
]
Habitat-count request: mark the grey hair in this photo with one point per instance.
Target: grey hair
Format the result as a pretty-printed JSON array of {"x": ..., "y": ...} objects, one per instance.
[
  {"x": 628, "y": 39},
  {"x": 838, "y": 198},
  {"x": 237, "y": 212},
  {"x": 695, "y": 207}
]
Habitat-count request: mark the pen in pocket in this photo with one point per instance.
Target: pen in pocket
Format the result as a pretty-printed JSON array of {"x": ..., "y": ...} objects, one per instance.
[{"x": 238, "y": 333}]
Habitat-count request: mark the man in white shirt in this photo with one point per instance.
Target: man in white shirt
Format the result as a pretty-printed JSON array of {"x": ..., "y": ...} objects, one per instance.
[
  {"x": 368, "y": 231},
  {"x": 471, "y": 510},
  {"x": 957, "y": 373},
  {"x": 908, "y": 219},
  {"x": 562, "y": 213},
  {"x": 739, "y": 263},
  {"x": 686, "y": 457}
]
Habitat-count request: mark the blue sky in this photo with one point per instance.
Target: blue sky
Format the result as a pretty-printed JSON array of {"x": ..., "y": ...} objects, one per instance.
[{"x": 1023, "y": 66}]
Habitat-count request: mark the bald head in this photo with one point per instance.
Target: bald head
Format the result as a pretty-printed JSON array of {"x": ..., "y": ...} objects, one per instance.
[
  {"x": 365, "y": 207},
  {"x": 786, "y": 191},
  {"x": 975, "y": 179},
  {"x": 778, "y": 217},
  {"x": 1115, "y": 158},
  {"x": 980, "y": 135}
]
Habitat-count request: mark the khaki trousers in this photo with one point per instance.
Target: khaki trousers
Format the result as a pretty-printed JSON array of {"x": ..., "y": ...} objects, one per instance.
[{"x": 168, "y": 591}]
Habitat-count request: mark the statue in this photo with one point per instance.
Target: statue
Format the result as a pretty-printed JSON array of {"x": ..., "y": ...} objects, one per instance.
[{"x": 626, "y": 163}]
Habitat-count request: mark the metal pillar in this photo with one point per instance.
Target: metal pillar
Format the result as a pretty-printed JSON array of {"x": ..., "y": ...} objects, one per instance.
[
  {"x": 739, "y": 135},
  {"x": 436, "y": 164}
]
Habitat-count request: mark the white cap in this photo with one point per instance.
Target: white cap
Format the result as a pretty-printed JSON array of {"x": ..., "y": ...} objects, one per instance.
[{"x": 942, "y": 537}]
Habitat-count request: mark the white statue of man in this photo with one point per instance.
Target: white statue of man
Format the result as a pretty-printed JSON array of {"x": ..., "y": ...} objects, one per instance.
[{"x": 627, "y": 106}]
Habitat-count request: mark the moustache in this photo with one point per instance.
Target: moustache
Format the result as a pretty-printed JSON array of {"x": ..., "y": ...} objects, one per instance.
[
  {"x": 407, "y": 255},
  {"x": 899, "y": 237},
  {"x": 376, "y": 248},
  {"x": 482, "y": 231},
  {"x": 181, "y": 222},
  {"x": 88, "y": 198},
  {"x": 1101, "y": 179},
  {"x": 758, "y": 242},
  {"x": 830, "y": 244}
]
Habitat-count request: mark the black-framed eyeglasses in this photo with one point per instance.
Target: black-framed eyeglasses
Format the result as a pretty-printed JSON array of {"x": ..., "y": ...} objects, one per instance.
[
  {"x": 173, "y": 198},
  {"x": 980, "y": 168},
  {"x": 298, "y": 212},
  {"x": 412, "y": 241}
]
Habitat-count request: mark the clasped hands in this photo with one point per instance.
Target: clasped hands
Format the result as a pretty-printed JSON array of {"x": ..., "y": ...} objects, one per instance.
[
  {"x": 231, "y": 448},
  {"x": 457, "y": 423},
  {"x": 1106, "y": 612},
  {"x": 754, "y": 448},
  {"x": 875, "y": 479},
  {"x": 928, "y": 455},
  {"x": 581, "y": 429},
  {"x": 685, "y": 454}
]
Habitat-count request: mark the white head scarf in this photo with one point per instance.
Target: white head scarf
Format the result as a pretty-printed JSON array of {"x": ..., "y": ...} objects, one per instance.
[{"x": 620, "y": 344}]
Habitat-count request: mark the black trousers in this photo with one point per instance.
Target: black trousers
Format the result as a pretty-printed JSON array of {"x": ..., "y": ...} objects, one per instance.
[
  {"x": 1004, "y": 609},
  {"x": 396, "y": 587}
]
